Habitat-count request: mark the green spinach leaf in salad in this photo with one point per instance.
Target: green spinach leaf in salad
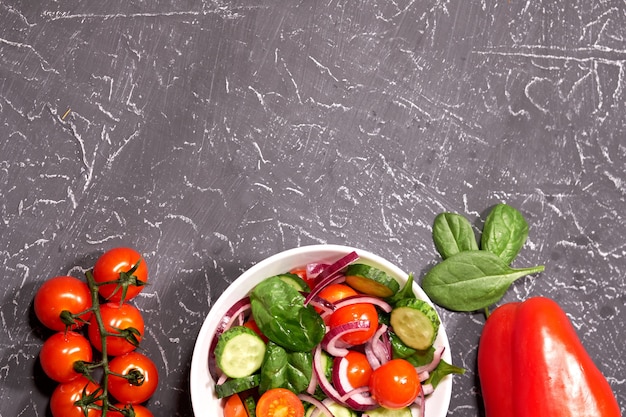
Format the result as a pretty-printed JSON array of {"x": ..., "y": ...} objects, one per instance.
[
  {"x": 279, "y": 311},
  {"x": 285, "y": 369}
]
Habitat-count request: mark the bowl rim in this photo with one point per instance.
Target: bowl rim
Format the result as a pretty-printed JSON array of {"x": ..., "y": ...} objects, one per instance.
[{"x": 200, "y": 380}]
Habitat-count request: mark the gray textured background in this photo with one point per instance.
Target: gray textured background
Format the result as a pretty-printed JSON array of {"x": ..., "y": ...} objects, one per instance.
[{"x": 212, "y": 134}]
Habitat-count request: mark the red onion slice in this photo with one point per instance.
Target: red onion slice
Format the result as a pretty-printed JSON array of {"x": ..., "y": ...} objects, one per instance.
[
  {"x": 363, "y": 299},
  {"x": 329, "y": 274},
  {"x": 332, "y": 342},
  {"x": 433, "y": 364}
]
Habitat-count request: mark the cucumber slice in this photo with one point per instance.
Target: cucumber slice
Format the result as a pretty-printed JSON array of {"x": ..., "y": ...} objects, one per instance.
[
  {"x": 415, "y": 322},
  {"x": 371, "y": 281},
  {"x": 337, "y": 410},
  {"x": 239, "y": 352},
  {"x": 386, "y": 412},
  {"x": 234, "y": 386},
  {"x": 250, "y": 405},
  {"x": 295, "y": 281}
]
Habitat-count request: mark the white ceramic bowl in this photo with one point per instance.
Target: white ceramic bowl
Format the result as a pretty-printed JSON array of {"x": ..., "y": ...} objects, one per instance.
[{"x": 204, "y": 401}]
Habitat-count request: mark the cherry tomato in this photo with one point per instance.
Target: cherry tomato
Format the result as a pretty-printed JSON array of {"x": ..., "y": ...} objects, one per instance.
[
  {"x": 251, "y": 324},
  {"x": 336, "y": 292},
  {"x": 62, "y": 294},
  {"x": 278, "y": 402},
  {"x": 119, "y": 264},
  {"x": 352, "y": 313},
  {"x": 65, "y": 395},
  {"x": 140, "y": 411},
  {"x": 59, "y": 353},
  {"x": 395, "y": 384},
  {"x": 233, "y": 407},
  {"x": 359, "y": 369},
  {"x": 135, "y": 365},
  {"x": 116, "y": 317}
]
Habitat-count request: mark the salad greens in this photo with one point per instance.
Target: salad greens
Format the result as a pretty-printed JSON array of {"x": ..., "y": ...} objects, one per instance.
[
  {"x": 280, "y": 313},
  {"x": 284, "y": 369},
  {"x": 474, "y": 279}
]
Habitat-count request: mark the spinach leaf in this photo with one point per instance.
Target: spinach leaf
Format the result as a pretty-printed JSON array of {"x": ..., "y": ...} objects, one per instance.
[
  {"x": 453, "y": 233},
  {"x": 505, "y": 232},
  {"x": 443, "y": 368},
  {"x": 471, "y": 280},
  {"x": 279, "y": 311},
  {"x": 406, "y": 292},
  {"x": 284, "y": 369}
]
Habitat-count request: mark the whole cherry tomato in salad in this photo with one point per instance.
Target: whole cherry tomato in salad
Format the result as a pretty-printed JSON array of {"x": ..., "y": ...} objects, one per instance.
[
  {"x": 62, "y": 294},
  {"x": 123, "y": 264},
  {"x": 279, "y": 402},
  {"x": 336, "y": 292},
  {"x": 395, "y": 384},
  {"x": 358, "y": 369},
  {"x": 354, "y": 313},
  {"x": 61, "y": 351},
  {"x": 65, "y": 395},
  {"x": 117, "y": 317},
  {"x": 143, "y": 375}
]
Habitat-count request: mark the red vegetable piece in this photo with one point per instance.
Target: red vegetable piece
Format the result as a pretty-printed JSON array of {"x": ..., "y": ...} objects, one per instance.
[{"x": 532, "y": 363}]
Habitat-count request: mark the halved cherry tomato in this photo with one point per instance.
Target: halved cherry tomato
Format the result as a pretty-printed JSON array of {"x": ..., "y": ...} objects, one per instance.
[
  {"x": 140, "y": 411},
  {"x": 359, "y": 369},
  {"x": 233, "y": 407},
  {"x": 352, "y": 313},
  {"x": 395, "y": 384},
  {"x": 279, "y": 402},
  {"x": 137, "y": 366},
  {"x": 117, "y": 317},
  {"x": 65, "y": 395},
  {"x": 62, "y": 294},
  {"x": 123, "y": 264},
  {"x": 61, "y": 351}
]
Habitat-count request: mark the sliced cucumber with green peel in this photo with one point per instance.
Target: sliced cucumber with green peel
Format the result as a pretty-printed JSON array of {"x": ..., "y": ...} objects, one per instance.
[
  {"x": 233, "y": 386},
  {"x": 239, "y": 352},
  {"x": 415, "y": 322},
  {"x": 371, "y": 281},
  {"x": 295, "y": 281}
]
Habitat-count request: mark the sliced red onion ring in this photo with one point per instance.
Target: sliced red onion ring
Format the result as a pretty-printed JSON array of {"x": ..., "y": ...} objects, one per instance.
[
  {"x": 329, "y": 274},
  {"x": 332, "y": 342},
  {"x": 420, "y": 401},
  {"x": 378, "y": 348},
  {"x": 363, "y": 299}
]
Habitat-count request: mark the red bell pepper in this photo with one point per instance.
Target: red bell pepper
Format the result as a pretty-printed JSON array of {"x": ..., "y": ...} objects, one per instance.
[{"x": 532, "y": 363}]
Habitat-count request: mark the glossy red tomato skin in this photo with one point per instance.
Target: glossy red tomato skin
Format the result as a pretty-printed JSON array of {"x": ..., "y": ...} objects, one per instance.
[
  {"x": 121, "y": 389},
  {"x": 108, "y": 268},
  {"x": 140, "y": 411},
  {"x": 359, "y": 369},
  {"x": 59, "y": 353},
  {"x": 395, "y": 384},
  {"x": 355, "y": 312},
  {"x": 58, "y": 294},
  {"x": 116, "y": 316},
  {"x": 64, "y": 396}
]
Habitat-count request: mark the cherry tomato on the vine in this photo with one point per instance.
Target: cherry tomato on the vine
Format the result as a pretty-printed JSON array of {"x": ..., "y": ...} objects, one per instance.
[
  {"x": 65, "y": 395},
  {"x": 395, "y": 384},
  {"x": 124, "y": 264},
  {"x": 139, "y": 367},
  {"x": 62, "y": 294},
  {"x": 352, "y": 313},
  {"x": 116, "y": 317},
  {"x": 61, "y": 351},
  {"x": 140, "y": 411},
  {"x": 359, "y": 369}
]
